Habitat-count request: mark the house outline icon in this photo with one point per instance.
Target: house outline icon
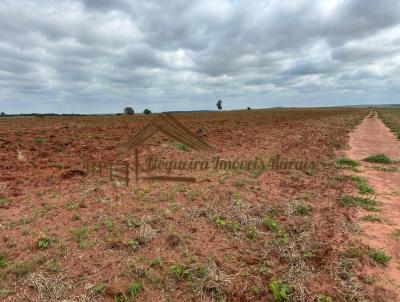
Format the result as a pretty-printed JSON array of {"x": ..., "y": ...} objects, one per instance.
[{"x": 171, "y": 127}]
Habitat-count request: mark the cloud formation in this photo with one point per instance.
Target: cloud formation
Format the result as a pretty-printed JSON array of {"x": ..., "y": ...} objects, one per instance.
[{"x": 93, "y": 56}]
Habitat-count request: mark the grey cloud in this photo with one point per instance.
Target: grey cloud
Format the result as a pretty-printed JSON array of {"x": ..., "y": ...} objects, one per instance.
[{"x": 183, "y": 55}]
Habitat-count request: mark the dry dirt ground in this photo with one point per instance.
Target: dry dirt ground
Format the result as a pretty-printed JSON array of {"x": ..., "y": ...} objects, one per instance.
[
  {"x": 233, "y": 235},
  {"x": 373, "y": 137}
]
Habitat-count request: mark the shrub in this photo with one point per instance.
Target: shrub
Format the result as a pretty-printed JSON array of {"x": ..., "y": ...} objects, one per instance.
[{"x": 129, "y": 111}]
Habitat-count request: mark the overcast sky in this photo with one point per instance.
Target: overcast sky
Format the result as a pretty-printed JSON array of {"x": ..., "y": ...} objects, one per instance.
[{"x": 98, "y": 56}]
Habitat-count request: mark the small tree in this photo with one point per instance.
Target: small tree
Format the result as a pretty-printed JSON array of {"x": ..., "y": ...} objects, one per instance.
[
  {"x": 147, "y": 111},
  {"x": 219, "y": 105},
  {"x": 248, "y": 108},
  {"x": 129, "y": 111},
  {"x": 3, "y": 114}
]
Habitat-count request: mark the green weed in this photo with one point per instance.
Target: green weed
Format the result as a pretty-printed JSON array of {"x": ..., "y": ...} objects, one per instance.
[
  {"x": 347, "y": 162},
  {"x": 44, "y": 242},
  {"x": 4, "y": 202},
  {"x": 99, "y": 289},
  {"x": 279, "y": 291},
  {"x": 354, "y": 201},
  {"x": 379, "y": 256},
  {"x": 362, "y": 185},
  {"x": 371, "y": 218},
  {"x": 182, "y": 146},
  {"x": 378, "y": 159}
]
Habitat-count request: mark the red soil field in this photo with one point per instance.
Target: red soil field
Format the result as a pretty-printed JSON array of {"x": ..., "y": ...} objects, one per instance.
[{"x": 233, "y": 235}]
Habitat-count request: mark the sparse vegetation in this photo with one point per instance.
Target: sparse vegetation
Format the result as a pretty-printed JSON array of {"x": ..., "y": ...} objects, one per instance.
[
  {"x": 99, "y": 288},
  {"x": 4, "y": 202},
  {"x": 279, "y": 291},
  {"x": 79, "y": 235},
  {"x": 2, "y": 260},
  {"x": 254, "y": 234},
  {"x": 44, "y": 242},
  {"x": 378, "y": 159},
  {"x": 371, "y": 218},
  {"x": 362, "y": 185},
  {"x": 379, "y": 256},
  {"x": 134, "y": 289},
  {"x": 343, "y": 161},
  {"x": 182, "y": 146},
  {"x": 354, "y": 201}
]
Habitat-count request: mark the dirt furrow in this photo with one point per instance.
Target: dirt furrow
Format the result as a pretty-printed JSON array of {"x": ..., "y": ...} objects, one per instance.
[{"x": 373, "y": 137}]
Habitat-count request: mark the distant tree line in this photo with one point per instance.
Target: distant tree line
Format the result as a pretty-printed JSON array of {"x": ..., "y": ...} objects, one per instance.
[{"x": 130, "y": 111}]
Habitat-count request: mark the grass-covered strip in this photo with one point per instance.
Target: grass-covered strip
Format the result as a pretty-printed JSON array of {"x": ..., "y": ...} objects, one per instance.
[{"x": 378, "y": 159}]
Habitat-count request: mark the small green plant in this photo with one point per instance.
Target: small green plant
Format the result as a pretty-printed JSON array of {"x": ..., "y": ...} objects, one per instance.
[
  {"x": 134, "y": 288},
  {"x": 271, "y": 224},
  {"x": 251, "y": 232},
  {"x": 21, "y": 269},
  {"x": 2, "y": 260},
  {"x": 72, "y": 206},
  {"x": 240, "y": 183},
  {"x": 99, "y": 289},
  {"x": 362, "y": 185},
  {"x": 133, "y": 245},
  {"x": 343, "y": 161},
  {"x": 155, "y": 262},
  {"x": 182, "y": 146},
  {"x": 379, "y": 256},
  {"x": 279, "y": 291},
  {"x": 178, "y": 271},
  {"x": 131, "y": 222},
  {"x": 256, "y": 290},
  {"x": 396, "y": 234},
  {"x": 4, "y": 202},
  {"x": 385, "y": 169},
  {"x": 371, "y": 218},
  {"x": 226, "y": 224},
  {"x": 44, "y": 242},
  {"x": 354, "y": 201},
  {"x": 79, "y": 235},
  {"x": 353, "y": 251},
  {"x": 4, "y": 293},
  {"x": 38, "y": 140},
  {"x": 378, "y": 159},
  {"x": 52, "y": 265},
  {"x": 108, "y": 224},
  {"x": 302, "y": 209},
  {"x": 324, "y": 298}
]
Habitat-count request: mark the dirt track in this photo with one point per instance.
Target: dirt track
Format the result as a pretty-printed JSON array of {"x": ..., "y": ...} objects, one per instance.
[{"x": 372, "y": 137}]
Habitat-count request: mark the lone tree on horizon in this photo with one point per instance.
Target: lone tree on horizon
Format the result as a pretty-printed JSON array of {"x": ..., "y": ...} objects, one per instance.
[
  {"x": 147, "y": 111},
  {"x": 129, "y": 111},
  {"x": 219, "y": 105}
]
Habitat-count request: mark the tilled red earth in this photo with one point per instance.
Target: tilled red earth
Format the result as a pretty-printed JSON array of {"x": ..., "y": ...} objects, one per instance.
[{"x": 233, "y": 235}]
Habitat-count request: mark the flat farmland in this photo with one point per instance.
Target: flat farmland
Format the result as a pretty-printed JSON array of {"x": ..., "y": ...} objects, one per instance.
[{"x": 269, "y": 230}]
